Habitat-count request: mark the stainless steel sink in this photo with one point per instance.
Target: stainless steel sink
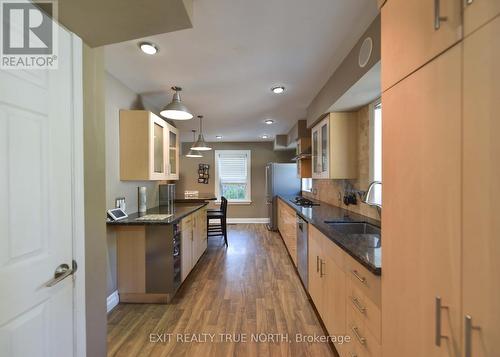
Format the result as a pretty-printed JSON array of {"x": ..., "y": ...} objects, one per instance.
[
  {"x": 362, "y": 233},
  {"x": 354, "y": 227}
]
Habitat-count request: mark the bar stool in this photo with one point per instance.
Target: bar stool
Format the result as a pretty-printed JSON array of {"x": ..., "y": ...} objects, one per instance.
[{"x": 219, "y": 229}]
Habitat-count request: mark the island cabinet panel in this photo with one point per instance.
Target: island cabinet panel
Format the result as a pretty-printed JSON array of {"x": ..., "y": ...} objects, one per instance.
[
  {"x": 193, "y": 240},
  {"x": 421, "y": 242},
  {"x": 413, "y": 34}
]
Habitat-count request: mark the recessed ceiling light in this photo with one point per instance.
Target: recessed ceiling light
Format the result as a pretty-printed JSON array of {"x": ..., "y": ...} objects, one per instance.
[
  {"x": 149, "y": 48},
  {"x": 265, "y": 136},
  {"x": 218, "y": 137},
  {"x": 278, "y": 89},
  {"x": 269, "y": 121}
]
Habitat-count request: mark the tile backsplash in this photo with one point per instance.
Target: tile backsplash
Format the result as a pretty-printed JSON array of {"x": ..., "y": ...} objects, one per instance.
[{"x": 332, "y": 191}]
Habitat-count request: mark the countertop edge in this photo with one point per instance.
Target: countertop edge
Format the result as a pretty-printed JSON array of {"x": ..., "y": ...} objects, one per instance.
[
  {"x": 373, "y": 269},
  {"x": 195, "y": 206}
]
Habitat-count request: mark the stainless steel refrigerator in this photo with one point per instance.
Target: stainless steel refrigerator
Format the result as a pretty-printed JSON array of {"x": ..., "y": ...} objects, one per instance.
[{"x": 281, "y": 179}]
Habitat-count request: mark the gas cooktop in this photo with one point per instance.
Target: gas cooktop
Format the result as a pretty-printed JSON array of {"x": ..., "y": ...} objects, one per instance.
[{"x": 303, "y": 202}]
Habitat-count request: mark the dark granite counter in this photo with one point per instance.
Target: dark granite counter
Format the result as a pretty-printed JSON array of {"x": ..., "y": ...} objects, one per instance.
[
  {"x": 181, "y": 210},
  {"x": 365, "y": 252},
  {"x": 202, "y": 197}
]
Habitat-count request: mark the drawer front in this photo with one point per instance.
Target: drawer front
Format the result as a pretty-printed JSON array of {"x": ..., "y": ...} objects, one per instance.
[
  {"x": 363, "y": 343},
  {"x": 366, "y": 281},
  {"x": 365, "y": 308}
]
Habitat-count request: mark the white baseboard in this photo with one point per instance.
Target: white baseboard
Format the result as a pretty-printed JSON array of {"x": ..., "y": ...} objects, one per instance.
[
  {"x": 112, "y": 300},
  {"x": 248, "y": 220}
]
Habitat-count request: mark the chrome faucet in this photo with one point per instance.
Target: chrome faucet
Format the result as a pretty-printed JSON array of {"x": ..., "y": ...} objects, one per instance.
[{"x": 367, "y": 195}]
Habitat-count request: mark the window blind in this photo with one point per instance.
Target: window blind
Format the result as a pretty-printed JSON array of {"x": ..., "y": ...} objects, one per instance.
[{"x": 233, "y": 168}]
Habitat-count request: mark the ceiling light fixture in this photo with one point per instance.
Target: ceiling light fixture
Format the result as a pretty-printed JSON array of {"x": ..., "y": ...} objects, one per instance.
[
  {"x": 149, "y": 48},
  {"x": 278, "y": 89},
  {"x": 194, "y": 153},
  {"x": 200, "y": 144},
  {"x": 269, "y": 121},
  {"x": 265, "y": 136},
  {"x": 176, "y": 110},
  {"x": 219, "y": 137}
]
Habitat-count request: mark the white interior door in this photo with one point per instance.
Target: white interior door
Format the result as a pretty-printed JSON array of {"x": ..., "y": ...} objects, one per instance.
[{"x": 37, "y": 205}]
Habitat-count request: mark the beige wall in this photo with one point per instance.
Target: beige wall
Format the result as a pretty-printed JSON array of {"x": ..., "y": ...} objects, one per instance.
[
  {"x": 118, "y": 96},
  {"x": 262, "y": 153},
  {"x": 347, "y": 74},
  {"x": 332, "y": 191},
  {"x": 95, "y": 202}
]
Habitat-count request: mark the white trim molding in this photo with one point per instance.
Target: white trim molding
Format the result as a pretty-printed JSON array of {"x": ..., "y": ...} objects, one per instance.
[
  {"x": 248, "y": 220},
  {"x": 112, "y": 300}
]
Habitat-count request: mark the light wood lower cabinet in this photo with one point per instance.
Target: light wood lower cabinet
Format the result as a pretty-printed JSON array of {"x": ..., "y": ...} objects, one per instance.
[
  {"x": 422, "y": 210},
  {"x": 481, "y": 190},
  {"x": 287, "y": 226},
  {"x": 193, "y": 240},
  {"x": 335, "y": 292}
]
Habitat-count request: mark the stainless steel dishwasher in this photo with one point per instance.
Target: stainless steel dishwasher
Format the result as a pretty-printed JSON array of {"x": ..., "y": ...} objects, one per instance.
[{"x": 302, "y": 247}]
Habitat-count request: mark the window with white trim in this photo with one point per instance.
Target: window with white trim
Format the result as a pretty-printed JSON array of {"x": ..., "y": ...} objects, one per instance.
[
  {"x": 232, "y": 175},
  {"x": 376, "y": 150}
]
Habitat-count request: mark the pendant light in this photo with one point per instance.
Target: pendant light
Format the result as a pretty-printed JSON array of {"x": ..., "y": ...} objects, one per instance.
[
  {"x": 194, "y": 153},
  {"x": 175, "y": 109},
  {"x": 200, "y": 144}
]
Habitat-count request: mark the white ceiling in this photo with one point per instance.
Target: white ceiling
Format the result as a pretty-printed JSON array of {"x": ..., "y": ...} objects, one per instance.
[{"x": 236, "y": 51}]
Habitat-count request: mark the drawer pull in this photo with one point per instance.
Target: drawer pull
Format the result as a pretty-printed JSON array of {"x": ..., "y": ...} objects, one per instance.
[
  {"x": 358, "y": 306},
  {"x": 317, "y": 264},
  {"x": 321, "y": 264},
  {"x": 359, "y": 277},
  {"x": 360, "y": 338}
]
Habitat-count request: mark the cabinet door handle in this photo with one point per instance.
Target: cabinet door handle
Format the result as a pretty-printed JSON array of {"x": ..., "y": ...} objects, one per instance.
[
  {"x": 360, "y": 338},
  {"x": 359, "y": 277},
  {"x": 317, "y": 264},
  {"x": 437, "y": 15},
  {"x": 321, "y": 274},
  {"x": 468, "y": 335},
  {"x": 438, "y": 336},
  {"x": 358, "y": 306}
]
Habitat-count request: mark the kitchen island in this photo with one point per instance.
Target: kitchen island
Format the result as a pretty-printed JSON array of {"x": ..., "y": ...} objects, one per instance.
[{"x": 156, "y": 251}]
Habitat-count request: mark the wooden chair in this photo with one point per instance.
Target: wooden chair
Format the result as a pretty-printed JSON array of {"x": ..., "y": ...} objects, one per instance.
[{"x": 219, "y": 229}]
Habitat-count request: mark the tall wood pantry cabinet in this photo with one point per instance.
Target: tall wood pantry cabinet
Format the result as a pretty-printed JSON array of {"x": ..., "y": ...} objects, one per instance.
[
  {"x": 149, "y": 147},
  {"x": 441, "y": 174}
]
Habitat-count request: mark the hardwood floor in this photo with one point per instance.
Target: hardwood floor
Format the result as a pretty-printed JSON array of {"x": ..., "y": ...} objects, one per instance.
[{"x": 249, "y": 288}]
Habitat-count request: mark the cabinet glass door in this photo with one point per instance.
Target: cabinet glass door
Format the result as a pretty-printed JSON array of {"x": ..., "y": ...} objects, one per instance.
[
  {"x": 158, "y": 149},
  {"x": 173, "y": 153},
  {"x": 324, "y": 148},
  {"x": 315, "y": 153}
]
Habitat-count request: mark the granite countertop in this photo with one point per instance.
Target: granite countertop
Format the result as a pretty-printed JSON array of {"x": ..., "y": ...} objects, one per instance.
[
  {"x": 181, "y": 210},
  {"x": 201, "y": 197},
  {"x": 365, "y": 253}
]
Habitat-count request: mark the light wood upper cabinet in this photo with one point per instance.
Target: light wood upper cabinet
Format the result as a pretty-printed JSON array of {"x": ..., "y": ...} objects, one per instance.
[
  {"x": 410, "y": 37},
  {"x": 481, "y": 188},
  {"x": 335, "y": 146},
  {"x": 479, "y": 12},
  {"x": 422, "y": 209},
  {"x": 149, "y": 147}
]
